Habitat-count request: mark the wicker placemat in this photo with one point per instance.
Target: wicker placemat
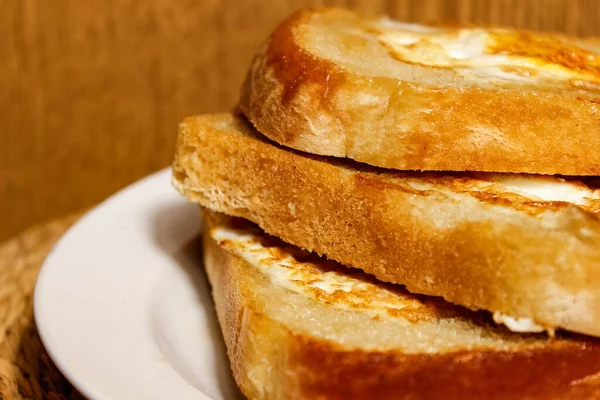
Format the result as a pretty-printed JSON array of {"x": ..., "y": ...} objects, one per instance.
[{"x": 26, "y": 371}]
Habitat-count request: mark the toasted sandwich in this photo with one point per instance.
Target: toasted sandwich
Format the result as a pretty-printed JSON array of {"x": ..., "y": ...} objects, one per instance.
[
  {"x": 414, "y": 97},
  {"x": 299, "y": 327},
  {"x": 405, "y": 211}
]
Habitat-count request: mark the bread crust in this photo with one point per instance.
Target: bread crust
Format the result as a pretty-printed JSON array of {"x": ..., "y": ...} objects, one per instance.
[
  {"x": 429, "y": 119},
  {"x": 272, "y": 361},
  {"x": 479, "y": 248}
]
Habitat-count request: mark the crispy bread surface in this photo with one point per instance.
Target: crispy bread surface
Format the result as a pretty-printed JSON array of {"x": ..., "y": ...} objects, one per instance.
[
  {"x": 414, "y": 97},
  {"x": 299, "y": 327},
  {"x": 468, "y": 240}
]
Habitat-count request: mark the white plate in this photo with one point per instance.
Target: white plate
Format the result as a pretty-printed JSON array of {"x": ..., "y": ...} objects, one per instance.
[{"x": 122, "y": 303}]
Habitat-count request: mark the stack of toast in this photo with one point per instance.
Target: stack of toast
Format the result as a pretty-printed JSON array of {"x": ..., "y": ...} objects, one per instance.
[{"x": 405, "y": 211}]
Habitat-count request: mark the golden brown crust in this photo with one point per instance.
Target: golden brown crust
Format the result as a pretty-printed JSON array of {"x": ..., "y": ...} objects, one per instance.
[
  {"x": 271, "y": 360},
  {"x": 308, "y": 101},
  {"x": 550, "y": 372},
  {"x": 403, "y": 228}
]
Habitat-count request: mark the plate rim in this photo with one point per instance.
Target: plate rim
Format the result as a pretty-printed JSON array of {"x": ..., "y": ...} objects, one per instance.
[{"x": 62, "y": 363}]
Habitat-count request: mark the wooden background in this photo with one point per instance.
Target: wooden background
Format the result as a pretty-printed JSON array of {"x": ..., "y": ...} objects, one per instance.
[{"x": 91, "y": 91}]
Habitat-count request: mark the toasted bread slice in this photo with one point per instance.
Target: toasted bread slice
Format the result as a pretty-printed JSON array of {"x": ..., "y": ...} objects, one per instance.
[
  {"x": 298, "y": 327},
  {"x": 415, "y": 97},
  {"x": 485, "y": 244}
]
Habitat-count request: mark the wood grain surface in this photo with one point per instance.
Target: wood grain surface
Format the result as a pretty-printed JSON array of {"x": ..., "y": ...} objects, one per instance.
[{"x": 91, "y": 91}]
